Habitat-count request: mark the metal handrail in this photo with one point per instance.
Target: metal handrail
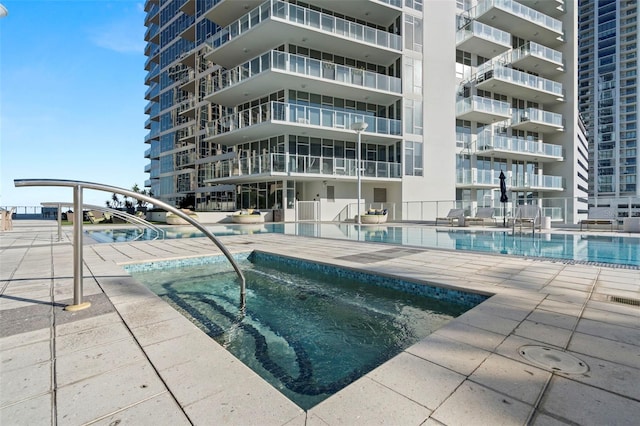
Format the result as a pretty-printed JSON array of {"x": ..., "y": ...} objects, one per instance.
[
  {"x": 78, "y": 186},
  {"x": 135, "y": 220}
]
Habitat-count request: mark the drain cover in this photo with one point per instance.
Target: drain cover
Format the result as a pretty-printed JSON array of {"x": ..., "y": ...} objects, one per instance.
[{"x": 553, "y": 359}]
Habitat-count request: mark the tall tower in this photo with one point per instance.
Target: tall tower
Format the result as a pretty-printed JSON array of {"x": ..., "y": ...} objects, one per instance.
[
  {"x": 608, "y": 100},
  {"x": 252, "y": 104}
]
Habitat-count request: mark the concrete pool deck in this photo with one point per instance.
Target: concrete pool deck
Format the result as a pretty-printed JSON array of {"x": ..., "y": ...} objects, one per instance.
[{"x": 132, "y": 358}]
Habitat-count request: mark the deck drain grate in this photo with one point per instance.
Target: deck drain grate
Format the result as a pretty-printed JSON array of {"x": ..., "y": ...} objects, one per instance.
[
  {"x": 553, "y": 359},
  {"x": 624, "y": 300}
]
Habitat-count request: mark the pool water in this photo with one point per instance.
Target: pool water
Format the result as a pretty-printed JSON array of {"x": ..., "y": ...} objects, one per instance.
[
  {"x": 307, "y": 332},
  {"x": 583, "y": 247}
]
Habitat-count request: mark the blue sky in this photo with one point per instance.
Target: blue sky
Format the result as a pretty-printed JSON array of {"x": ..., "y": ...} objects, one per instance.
[{"x": 71, "y": 97}]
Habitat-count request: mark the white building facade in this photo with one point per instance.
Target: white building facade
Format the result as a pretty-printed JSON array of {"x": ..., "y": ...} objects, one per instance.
[{"x": 252, "y": 104}]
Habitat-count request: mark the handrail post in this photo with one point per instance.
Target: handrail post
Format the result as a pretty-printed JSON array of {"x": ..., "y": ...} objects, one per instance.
[
  {"x": 77, "y": 252},
  {"x": 59, "y": 222}
]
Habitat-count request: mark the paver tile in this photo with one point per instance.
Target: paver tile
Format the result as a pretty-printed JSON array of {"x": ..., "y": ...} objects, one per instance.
[
  {"x": 587, "y": 405},
  {"x": 31, "y": 412},
  {"x": 417, "y": 379},
  {"x": 438, "y": 349},
  {"x": 247, "y": 402},
  {"x": 377, "y": 405},
  {"x": 27, "y": 382},
  {"x": 107, "y": 393},
  {"x": 472, "y": 403},
  {"x": 518, "y": 380},
  {"x": 161, "y": 410}
]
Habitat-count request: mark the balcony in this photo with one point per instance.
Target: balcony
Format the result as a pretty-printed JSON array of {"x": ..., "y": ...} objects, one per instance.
[
  {"x": 147, "y": 153},
  {"x": 536, "y": 58},
  {"x": 152, "y": 59},
  {"x": 154, "y": 74},
  {"x": 189, "y": 7},
  {"x": 189, "y": 33},
  {"x": 532, "y": 181},
  {"x": 154, "y": 134},
  {"x": 267, "y": 165},
  {"x": 536, "y": 120},
  {"x": 263, "y": 28},
  {"x": 519, "y": 20},
  {"x": 187, "y": 108},
  {"x": 476, "y": 178},
  {"x": 485, "y": 110},
  {"x": 152, "y": 35},
  {"x": 279, "y": 117},
  {"x": 499, "y": 79},
  {"x": 153, "y": 15},
  {"x": 186, "y": 135},
  {"x": 153, "y": 92},
  {"x": 225, "y": 12},
  {"x": 276, "y": 70},
  {"x": 482, "y": 39},
  {"x": 188, "y": 82},
  {"x": 554, "y": 8},
  {"x": 517, "y": 148}
]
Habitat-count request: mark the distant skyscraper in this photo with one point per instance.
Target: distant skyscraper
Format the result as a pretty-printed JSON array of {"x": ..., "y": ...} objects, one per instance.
[{"x": 608, "y": 98}]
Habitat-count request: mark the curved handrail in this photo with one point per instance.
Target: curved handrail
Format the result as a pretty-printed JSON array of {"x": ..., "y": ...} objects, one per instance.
[{"x": 79, "y": 185}]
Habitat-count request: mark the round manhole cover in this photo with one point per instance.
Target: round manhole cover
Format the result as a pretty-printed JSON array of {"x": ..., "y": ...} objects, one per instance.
[{"x": 553, "y": 359}]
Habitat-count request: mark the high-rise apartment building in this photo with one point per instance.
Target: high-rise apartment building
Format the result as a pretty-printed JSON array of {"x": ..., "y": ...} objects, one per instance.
[
  {"x": 608, "y": 99},
  {"x": 254, "y": 103}
]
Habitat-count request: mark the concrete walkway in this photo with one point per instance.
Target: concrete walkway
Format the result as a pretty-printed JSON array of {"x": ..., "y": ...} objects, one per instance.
[{"x": 132, "y": 359}]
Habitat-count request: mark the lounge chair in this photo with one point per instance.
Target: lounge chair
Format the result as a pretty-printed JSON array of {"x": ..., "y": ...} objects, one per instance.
[
  {"x": 599, "y": 216},
  {"x": 483, "y": 214},
  {"x": 96, "y": 216},
  {"x": 454, "y": 215},
  {"x": 528, "y": 214}
]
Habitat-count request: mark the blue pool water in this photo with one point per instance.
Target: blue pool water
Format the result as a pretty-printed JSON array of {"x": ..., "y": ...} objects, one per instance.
[
  {"x": 307, "y": 329},
  {"x": 579, "y": 247}
]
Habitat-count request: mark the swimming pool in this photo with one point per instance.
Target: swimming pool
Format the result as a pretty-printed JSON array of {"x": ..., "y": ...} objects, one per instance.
[
  {"x": 589, "y": 248},
  {"x": 307, "y": 329}
]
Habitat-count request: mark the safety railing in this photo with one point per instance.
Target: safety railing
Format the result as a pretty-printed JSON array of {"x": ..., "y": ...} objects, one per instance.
[{"x": 78, "y": 187}]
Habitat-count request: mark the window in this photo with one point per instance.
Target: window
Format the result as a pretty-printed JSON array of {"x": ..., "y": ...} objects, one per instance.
[
  {"x": 413, "y": 33},
  {"x": 331, "y": 193},
  {"x": 379, "y": 195}
]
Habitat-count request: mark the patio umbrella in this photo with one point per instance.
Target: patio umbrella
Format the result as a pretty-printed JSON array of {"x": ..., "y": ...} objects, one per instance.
[{"x": 503, "y": 197}]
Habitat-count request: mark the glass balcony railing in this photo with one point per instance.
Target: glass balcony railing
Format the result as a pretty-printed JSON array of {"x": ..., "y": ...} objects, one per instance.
[
  {"x": 151, "y": 31},
  {"x": 152, "y": 91},
  {"x": 396, "y": 3},
  {"x": 520, "y": 78},
  {"x": 518, "y": 9},
  {"x": 537, "y": 181},
  {"x": 488, "y": 105},
  {"x": 537, "y": 115},
  {"x": 155, "y": 70},
  {"x": 518, "y": 145},
  {"x": 534, "y": 49},
  {"x": 463, "y": 140},
  {"x": 302, "y": 114},
  {"x": 305, "y": 17},
  {"x": 478, "y": 29},
  {"x": 492, "y": 178},
  {"x": 304, "y": 164},
  {"x": 305, "y": 66},
  {"x": 186, "y": 105}
]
